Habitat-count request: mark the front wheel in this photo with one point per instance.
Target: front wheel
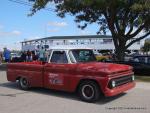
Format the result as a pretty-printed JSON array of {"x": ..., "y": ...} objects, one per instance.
[
  {"x": 89, "y": 91},
  {"x": 23, "y": 83}
]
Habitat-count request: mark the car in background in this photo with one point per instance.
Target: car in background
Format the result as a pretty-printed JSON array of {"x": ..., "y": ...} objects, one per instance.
[
  {"x": 141, "y": 64},
  {"x": 101, "y": 57},
  {"x": 141, "y": 59},
  {"x": 15, "y": 57}
]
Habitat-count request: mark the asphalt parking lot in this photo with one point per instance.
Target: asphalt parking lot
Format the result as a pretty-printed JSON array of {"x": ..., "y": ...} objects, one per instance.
[{"x": 38, "y": 100}]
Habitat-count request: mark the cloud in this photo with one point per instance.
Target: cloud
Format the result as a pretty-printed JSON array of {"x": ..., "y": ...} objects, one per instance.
[
  {"x": 32, "y": 38},
  {"x": 11, "y": 33},
  {"x": 1, "y": 26},
  {"x": 57, "y": 24},
  {"x": 53, "y": 30},
  {"x": 16, "y": 32},
  {"x": 11, "y": 46}
]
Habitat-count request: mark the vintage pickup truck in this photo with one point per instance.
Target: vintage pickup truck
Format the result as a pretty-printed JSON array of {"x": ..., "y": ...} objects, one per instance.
[{"x": 73, "y": 70}]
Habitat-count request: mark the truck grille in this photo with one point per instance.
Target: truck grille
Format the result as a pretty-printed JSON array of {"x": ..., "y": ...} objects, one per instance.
[{"x": 120, "y": 81}]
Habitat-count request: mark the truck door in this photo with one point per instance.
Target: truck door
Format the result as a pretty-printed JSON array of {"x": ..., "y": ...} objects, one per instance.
[{"x": 58, "y": 72}]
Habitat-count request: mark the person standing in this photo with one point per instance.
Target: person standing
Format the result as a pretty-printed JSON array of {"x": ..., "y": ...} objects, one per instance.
[
  {"x": 7, "y": 55},
  {"x": 23, "y": 56},
  {"x": 28, "y": 56},
  {"x": 42, "y": 55},
  {"x": 34, "y": 56},
  {"x": 1, "y": 58},
  {"x": 46, "y": 56}
]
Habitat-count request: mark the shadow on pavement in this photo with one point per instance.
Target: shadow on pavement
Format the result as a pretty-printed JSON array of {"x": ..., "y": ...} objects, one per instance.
[{"x": 61, "y": 94}]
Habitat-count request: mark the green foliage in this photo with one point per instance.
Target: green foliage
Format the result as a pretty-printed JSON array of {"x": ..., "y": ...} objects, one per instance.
[{"x": 125, "y": 19}]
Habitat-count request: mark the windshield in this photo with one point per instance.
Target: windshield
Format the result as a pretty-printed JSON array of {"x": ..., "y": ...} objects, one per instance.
[{"x": 83, "y": 55}]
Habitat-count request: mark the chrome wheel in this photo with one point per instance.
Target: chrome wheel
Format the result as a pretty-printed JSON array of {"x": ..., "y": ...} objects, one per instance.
[
  {"x": 88, "y": 91},
  {"x": 24, "y": 83}
]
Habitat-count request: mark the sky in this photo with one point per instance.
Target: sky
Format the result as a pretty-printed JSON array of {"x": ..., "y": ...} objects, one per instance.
[{"x": 16, "y": 26}]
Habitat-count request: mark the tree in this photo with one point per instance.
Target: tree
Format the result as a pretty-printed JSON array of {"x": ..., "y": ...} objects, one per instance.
[
  {"x": 146, "y": 47},
  {"x": 125, "y": 19}
]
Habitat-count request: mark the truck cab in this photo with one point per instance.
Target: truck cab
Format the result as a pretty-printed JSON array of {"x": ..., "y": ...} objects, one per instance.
[{"x": 71, "y": 56}]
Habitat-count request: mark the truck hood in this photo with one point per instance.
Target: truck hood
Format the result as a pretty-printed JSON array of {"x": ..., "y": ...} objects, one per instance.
[{"x": 103, "y": 68}]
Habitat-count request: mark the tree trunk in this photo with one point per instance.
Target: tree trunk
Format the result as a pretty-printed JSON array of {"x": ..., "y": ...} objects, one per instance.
[
  {"x": 120, "y": 53},
  {"x": 120, "y": 48}
]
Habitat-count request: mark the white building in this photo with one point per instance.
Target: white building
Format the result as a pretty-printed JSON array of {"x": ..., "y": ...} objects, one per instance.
[{"x": 97, "y": 42}]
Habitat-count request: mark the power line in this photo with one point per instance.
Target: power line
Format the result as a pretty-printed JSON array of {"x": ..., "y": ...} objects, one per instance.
[{"x": 29, "y": 4}]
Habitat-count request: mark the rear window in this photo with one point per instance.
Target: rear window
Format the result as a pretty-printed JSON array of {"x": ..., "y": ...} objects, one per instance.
[{"x": 59, "y": 57}]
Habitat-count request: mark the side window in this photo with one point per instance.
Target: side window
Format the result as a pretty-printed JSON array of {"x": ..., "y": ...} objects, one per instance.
[
  {"x": 136, "y": 60},
  {"x": 59, "y": 57},
  {"x": 141, "y": 59}
]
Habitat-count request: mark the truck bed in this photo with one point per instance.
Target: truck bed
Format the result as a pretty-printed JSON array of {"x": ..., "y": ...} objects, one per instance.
[{"x": 33, "y": 71}]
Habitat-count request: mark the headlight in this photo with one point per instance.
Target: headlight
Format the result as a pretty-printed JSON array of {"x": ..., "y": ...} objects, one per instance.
[
  {"x": 113, "y": 83},
  {"x": 133, "y": 78}
]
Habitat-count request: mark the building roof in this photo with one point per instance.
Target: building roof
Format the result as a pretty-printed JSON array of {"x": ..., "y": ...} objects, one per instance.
[
  {"x": 71, "y": 37},
  {"x": 68, "y": 48}
]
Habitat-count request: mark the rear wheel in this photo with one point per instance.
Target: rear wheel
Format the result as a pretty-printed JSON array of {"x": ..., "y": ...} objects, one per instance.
[
  {"x": 24, "y": 84},
  {"x": 89, "y": 91}
]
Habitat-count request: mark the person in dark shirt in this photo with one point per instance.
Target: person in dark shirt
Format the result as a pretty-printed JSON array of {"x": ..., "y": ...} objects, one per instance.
[
  {"x": 23, "y": 56},
  {"x": 34, "y": 56},
  {"x": 28, "y": 57}
]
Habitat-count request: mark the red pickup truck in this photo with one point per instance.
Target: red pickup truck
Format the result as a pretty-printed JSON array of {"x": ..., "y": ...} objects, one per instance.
[{"x": 73, "y": 70}]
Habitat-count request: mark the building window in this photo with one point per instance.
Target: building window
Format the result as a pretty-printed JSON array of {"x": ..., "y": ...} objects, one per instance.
[
  {"x": 64, "y": 42},
  {"x": 107, "y": 40}
]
